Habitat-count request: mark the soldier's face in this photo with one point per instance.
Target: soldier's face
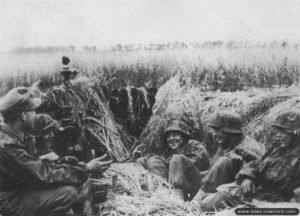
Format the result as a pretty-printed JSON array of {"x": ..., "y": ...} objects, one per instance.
[
  {"x": 175, "y": 139},
  {"x": 282, "y": 137},
  {"x": 29, "y": 119},
  {"x": 219, "y": 137},
  {"x": 48, "y": 139}
]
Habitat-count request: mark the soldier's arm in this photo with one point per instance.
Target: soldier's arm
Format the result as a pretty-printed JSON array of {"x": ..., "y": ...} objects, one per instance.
[
  {"x": 222, "y": 171},
  {"x": 38, "y": 173},
  {"x": 249, "y": 171},
  {"x": 199, "y": 155}
]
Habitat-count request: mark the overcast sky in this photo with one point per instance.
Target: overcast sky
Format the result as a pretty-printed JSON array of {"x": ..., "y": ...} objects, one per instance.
[{"x": 102, "y": 23}]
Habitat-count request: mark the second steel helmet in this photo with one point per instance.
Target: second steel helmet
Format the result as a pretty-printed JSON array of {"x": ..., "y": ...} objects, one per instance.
[
  {"x": 288, "y": 120},
  {"x": 226, "y": 122},
  {"x": 177, "y": 125}
]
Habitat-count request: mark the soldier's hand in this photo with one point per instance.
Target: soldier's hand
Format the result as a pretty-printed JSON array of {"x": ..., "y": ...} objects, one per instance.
[
  {"x": 248, "y": 186},
  {"x": 137, "y": 152},
  {"x": 50, "y": 156},
  {"x": 99, "y": 164}
]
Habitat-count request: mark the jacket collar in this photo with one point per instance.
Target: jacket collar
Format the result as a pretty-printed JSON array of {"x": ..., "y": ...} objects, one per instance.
[{"x": 12, "y": 132}]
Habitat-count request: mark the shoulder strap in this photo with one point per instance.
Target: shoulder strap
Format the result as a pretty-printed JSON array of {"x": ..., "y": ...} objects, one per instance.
[{"x": 7, "y": 130}]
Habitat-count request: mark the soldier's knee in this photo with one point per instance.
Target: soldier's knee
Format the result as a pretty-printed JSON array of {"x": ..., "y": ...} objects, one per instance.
[
  {"x": 178, "y": 159},
  {"x": 213, "y": 201},
  {"x": 155, "y": 161},
  {"x": 158, "y": 166},
  {"x": 142, "y": 161},
  {"x": 70, "y": 195}
]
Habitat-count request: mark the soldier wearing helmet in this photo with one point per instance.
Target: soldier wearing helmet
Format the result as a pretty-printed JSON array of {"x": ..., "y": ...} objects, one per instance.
[
  {"x": 227, "y": 134},
  {"x": 177, "y": 133},
  {"x": 181, "y": 161},
  {"x": 288, "y": 122},
  {"x": 277, "y": 176},
  {"x": 274, "y": 178},
  {"x": 29, "y": 185}
]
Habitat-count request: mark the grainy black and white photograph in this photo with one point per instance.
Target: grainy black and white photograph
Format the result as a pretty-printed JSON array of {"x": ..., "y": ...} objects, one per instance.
[{"x": 149, "y": 107}]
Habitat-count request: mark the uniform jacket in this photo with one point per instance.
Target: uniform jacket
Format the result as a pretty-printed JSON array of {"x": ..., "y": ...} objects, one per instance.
[
  {"x": 19, "y": 170},
  {"x": 225, "y": 165},
  {"x": 276, "y": 176},
  {"x": 193, "y": 150}
]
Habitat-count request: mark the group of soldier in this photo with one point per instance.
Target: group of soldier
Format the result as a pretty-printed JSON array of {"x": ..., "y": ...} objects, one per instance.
[
  {"x": 233, "y": 177},
  {"x": 35, "y": 181}
]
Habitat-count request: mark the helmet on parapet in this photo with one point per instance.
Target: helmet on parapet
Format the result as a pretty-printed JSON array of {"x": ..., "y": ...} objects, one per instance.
[
  {"x": 67, "y": 72},
  {"x": 289, "y": 121},
  {"x": 177, "y": 125},
  {"x": 226, "y": 122}
]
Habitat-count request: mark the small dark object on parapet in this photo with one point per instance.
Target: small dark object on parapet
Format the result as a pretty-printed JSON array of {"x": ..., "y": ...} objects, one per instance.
[
  {"x": 67, "y": 72},
  {"x": 65, "y": 60}
]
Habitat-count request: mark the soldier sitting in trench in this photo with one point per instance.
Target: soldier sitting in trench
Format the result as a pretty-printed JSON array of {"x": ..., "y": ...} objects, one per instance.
[
  {"x": 228, "y": 136},
  {"x": 275, "y": 178},
  {"x": 181, "y": 162},
  {"x": 28, "y": 185},
  {"x": 45, "y": 128}
]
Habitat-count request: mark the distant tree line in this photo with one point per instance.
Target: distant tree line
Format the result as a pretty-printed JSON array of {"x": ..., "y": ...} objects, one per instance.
[
  {"x": 160, "y": 46},
  {"x": 47, "y": 49},
  {"x": 53, "y": 49},
  {"x": 204, "y": 45}
]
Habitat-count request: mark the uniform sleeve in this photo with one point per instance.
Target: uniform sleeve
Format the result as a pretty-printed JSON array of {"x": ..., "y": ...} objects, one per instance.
[
  {"x": 36, "y": 173},
  {"x": 222, "y": 171},
  {"x": 249, "y": 170},
  {"x": 199, "y": 155}
]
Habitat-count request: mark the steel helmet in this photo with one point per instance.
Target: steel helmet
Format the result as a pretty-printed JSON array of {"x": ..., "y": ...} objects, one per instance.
[
  {"x": 288, "y": 120},
  {"x": 226, "y": 122},
  {"x": 177, "y": 125}
]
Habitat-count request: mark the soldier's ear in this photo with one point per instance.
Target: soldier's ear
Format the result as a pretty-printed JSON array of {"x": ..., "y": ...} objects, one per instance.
[{"x": 23, "y": 116}]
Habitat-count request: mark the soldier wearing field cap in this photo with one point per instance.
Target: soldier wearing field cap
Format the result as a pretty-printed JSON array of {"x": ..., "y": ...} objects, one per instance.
[
  {"x": 227, "y": 134},
  {"x": 28, "y": 185},
  {"x": 181, "y": 161}
]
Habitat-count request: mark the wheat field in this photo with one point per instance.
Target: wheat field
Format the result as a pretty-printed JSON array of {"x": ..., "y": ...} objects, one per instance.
[
  {"x": 258, "y": 83},
  {"x": 257, "y": 67}
]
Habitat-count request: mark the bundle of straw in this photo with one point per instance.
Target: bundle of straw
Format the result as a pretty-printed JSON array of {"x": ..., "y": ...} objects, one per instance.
[
  {"x": 190, "y": 104},
  {"x": 261, "y": 128},
  {"x": 173, "y": 102},
  {"x": 91, "y": 113},
  {"x": 162, "y": 202},
  {"x": 135, "y": 191},
  {"x": 138, "y": 192},
  {"x": 131, "y": 179}
]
